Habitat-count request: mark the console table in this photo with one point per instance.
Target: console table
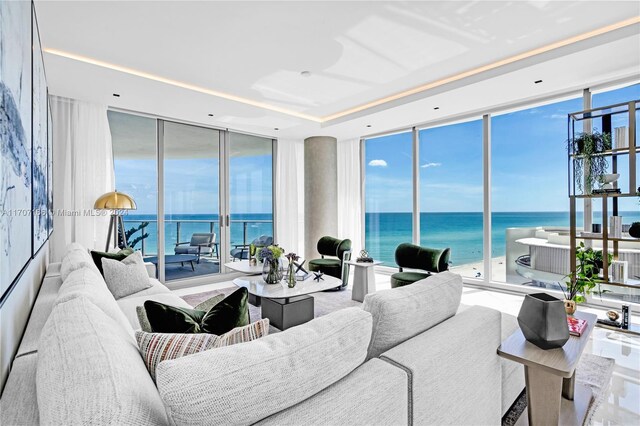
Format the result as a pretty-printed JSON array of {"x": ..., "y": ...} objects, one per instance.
[{"x": 552, "y": 395}]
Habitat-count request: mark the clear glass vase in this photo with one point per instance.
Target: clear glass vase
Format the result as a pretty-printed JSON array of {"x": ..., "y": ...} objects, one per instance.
[
  {"x": 291, "y": 275},
  {"x": 271, "y": 271}
]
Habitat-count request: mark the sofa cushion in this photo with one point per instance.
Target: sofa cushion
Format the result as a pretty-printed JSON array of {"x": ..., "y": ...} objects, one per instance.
[
  {"x": 97, "y": 257},
  {"x": 19, "y": 405},
  {"x": 156, "y": 288},
  {"x": 244, "y": 383},
  {"x": 76, "y": 259},
  {"x": 92, "y": 374},
  {"x": 226, "y": 315},
  {"x": 158, "y": 347},
  {"x": 127, "y": 276},
  {"x": 401, "y": 313},
  {"x": 87, "y": 283}
]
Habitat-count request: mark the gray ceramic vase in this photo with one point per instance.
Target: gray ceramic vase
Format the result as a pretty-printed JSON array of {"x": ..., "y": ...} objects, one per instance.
[{"x": 543, "y": 321}]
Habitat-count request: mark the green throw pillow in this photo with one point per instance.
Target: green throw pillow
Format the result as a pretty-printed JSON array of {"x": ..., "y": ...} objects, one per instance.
[
  {"x": 226, "y": 315},
  {"x": 97, "y": 257}
]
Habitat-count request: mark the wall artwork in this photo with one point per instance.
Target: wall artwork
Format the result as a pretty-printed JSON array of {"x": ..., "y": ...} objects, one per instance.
[
  {"x": 49, "y": 168},
  {"x": 15, "y": 138},
  {"x": 40, "y": 144}
]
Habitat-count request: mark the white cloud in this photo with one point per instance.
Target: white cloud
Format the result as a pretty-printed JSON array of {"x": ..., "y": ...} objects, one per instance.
[
  {"x": 427, "y": 165},
  {"x": 378, "y": 163}
]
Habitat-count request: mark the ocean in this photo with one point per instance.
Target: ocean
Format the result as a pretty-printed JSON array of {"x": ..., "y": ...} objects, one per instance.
[{"x": 461, "y": 231}]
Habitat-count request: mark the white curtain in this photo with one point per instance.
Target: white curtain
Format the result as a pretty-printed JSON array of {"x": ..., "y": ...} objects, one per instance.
[
  {"x": 82, "y": 171},
  {"x": 349, "y": 196},
  {"x": 289, "y": 192}
]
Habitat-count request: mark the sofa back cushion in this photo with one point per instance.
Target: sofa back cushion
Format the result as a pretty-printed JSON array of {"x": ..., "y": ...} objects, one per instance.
[
  {"x": 90, "y": 372},
  {"x": 403, "y": 312},
  {"x": 87, "y": 283},
  {"x": 244, "y": 383},
  {"x": 75, "y": 258}
]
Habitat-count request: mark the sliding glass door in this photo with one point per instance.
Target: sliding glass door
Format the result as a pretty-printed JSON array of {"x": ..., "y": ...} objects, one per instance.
[{"x": 191, "y": 175}]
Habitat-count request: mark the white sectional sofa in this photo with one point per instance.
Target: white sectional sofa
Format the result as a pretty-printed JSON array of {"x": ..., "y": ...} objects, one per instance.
[{"x": 411, "y": 355}]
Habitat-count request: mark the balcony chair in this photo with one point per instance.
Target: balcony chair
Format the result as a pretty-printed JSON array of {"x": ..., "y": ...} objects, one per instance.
[
  {"x": 335, "y": 266},
  {"x": 415, "y": 257},
  {"x": 200, "y": 244},
  {"x": 241, "y": 251}
]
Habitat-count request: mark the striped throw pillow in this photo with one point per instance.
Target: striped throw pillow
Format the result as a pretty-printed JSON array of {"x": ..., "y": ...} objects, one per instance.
[{"x": 157, "y": 347}]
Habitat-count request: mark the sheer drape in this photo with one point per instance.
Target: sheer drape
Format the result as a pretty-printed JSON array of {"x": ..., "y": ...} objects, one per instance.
[
  {"x": 349, "y": 200},
  {"x": 290, "y": 195},
  {"x": 82, "y": 171}
]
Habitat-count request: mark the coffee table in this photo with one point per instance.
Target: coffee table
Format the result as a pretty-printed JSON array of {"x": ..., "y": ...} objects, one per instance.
[
  {"x": 245, "y": 267},
  {"x": 552, "y": 395},
  {"x": 174, "y": 258},
  {"x": 364, "y": 279},
  {"x": 286, "y": 307}
]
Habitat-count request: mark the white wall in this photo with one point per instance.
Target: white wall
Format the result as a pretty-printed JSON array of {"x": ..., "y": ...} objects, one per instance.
[{"x": 17, "y": 308}]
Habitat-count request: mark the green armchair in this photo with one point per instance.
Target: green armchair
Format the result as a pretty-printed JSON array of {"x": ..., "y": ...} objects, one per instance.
[
  {"x": 335, "y": 266},
  {"x": 415, "y": 257}
]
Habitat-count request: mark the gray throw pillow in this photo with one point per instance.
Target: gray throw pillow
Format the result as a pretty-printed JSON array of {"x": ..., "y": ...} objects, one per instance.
[{"x": 126, "y": 277}]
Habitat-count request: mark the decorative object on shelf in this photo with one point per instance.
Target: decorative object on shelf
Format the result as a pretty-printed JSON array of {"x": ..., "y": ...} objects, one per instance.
[
  {"x": 272, "y": 268},
  {"x": 634, "y": 230},
  {"x": 607, "y": 180},
  {"x": 588, "y": 264},
  {"x": 615, "y": 226},
  {"x": 318, "y": 276},
  {"x": 291, "y": 270},
  {"x": 609, "y": 322},
  {"x": 625, "y": 317},
  {"x": 543, "y": 321},
  {"x": 596, "y": 228},
  {"x": 620, "y": 137},
  {"x": 252, "y": 255},
  {"x": 570, "y": 307},
  {"x": 613, "y": 315},
  {"x": 115, "y": 201},
  {"x": 619, "y": 271},
  {"x": 588, "y": 165},
  {"x": 364, "y": 257}
]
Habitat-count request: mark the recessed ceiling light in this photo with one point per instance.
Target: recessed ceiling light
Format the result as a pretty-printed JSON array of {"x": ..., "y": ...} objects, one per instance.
[
  {"x": 538, "y": 81},
  {"x": 306, "y": 73},
  {"x": 436, "y": 108},
  {"x": 275, "y": 128},
  {"x": 210, "y": 115},
  {"x": 117, "y": 95},
  {"x": 368, "y": 125}
]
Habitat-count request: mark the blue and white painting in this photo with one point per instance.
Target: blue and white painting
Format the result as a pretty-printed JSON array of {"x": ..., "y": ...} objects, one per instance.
[
  {"x": 40, "y": 157},
  {"x": 15, "y": 138},
  {"x": 49, "y": 169}
]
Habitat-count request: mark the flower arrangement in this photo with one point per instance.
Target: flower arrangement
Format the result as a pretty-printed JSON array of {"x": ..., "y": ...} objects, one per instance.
[
  {"x": 271, "y": 271},
  {"x": 271, "y": 253},
  {"x": 291, "y": 273}
]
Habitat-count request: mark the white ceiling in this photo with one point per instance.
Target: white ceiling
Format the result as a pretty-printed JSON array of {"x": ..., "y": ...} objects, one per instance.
[{"x": 357, "y": 52}]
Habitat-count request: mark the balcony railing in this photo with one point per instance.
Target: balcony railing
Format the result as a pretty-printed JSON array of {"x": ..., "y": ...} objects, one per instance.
[{"x": 212, "y": 226}]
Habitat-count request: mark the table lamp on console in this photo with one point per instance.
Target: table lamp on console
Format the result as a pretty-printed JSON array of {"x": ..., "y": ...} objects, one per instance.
[{"x": 115, "y": 201}]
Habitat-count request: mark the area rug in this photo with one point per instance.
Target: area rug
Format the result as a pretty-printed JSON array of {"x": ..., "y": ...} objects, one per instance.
[
  {"x": 592, "y": 371},
  {"x": 324, "y": 302}
]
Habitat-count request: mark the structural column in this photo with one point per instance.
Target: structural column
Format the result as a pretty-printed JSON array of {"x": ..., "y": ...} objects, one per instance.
[{"x": 320, "y": 191}]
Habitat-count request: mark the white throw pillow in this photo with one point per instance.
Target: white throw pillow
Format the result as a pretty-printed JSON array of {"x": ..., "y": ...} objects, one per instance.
[{"x": 126, "y": 277}]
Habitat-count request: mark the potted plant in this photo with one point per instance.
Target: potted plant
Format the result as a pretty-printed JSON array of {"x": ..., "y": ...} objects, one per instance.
[
  {"x": 586, "y": 278},
  {"x": 589, "y": 164}
]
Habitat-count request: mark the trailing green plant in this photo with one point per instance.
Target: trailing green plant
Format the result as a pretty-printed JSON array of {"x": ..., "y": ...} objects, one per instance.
[
  {"x": 588, "y": 165},
  {"x": 588, "y": 264}
]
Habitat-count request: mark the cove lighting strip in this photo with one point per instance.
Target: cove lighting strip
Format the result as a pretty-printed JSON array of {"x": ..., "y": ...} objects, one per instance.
[{"x": 422, "y": 88}]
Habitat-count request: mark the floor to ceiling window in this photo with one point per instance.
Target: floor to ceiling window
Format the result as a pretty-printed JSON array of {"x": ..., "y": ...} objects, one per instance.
[
  {"x": 135, "y": 165},
  {"x": 388, "y": 198},
  {"x": 451, "y": 200},
  {"x": 250, "y": 191}
]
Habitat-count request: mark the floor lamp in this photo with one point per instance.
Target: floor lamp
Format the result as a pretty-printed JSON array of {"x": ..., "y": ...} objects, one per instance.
[{"x": 115, "y": 201}]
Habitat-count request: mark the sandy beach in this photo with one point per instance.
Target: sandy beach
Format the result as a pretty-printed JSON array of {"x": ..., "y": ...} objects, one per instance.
[{"x": 498, "y": 265}]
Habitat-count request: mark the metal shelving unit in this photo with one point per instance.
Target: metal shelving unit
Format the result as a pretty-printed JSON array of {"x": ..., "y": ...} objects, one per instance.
[{"x": 610, "y": 201}]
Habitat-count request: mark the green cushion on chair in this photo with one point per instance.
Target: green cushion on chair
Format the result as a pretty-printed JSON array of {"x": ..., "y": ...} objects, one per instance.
[
  {"x": 405, "y": 278},
  {"x": 330, "y": 267}
]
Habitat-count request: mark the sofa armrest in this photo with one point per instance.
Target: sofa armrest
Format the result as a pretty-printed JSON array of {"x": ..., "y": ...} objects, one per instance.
[
  {"x": 376, "y": 393},
  {"x": 151, "y": 269},
  {"x": 454, "y": 369}
]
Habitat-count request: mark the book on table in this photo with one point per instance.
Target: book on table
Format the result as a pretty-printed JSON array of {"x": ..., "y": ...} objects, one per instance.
[{"x": 577, "y": 326}]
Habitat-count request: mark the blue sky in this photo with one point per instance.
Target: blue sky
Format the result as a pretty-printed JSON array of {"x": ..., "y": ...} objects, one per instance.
[
  {"x": 529, "y": 162},
  {"x": 192, "y": 185}
]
